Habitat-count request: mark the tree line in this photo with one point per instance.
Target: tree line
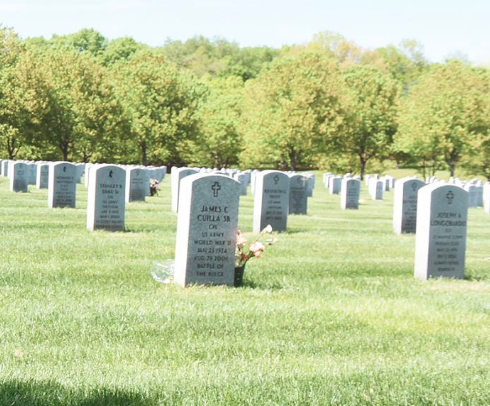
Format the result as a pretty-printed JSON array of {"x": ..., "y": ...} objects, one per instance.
[{"x": 326, "y": 104}]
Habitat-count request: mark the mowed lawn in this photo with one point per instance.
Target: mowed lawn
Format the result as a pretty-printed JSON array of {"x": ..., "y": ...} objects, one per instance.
[{"x": 330, "y": 315}]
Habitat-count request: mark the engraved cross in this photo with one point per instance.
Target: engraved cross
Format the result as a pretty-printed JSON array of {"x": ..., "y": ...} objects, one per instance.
[
  {"x": 450, "y": 197},
  {"x": 216, "y": 188}
]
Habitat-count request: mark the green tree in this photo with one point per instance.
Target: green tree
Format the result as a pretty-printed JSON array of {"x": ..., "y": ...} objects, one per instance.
[
  {"x": 406, "y": 63},
  {"x": 161, "y": 107},
  {"x": 372, "y": 111},
  {"x": 291, "y": 111},
  {"x": 18, "y": 102},
  {"x": 219, "y": 141},
  {"x": 85, "y": 40},
  {"x": 443, "y": 115},
  {"x": 82, "y": 117}
]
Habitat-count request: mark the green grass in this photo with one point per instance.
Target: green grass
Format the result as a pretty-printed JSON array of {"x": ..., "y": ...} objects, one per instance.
[{"x": 330, "y": 315}]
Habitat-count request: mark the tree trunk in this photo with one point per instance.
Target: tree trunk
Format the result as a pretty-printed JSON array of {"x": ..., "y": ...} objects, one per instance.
[
  {"x": 452, "y": 168},
  {"x": 144, "y": 157},
  {"x": 64, "y": 146},
  {"x": 363, "y": 166}
]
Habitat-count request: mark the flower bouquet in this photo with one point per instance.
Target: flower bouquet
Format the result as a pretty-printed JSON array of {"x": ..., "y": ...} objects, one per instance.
[
  {"x": 154, "y": 184},
  {"x": 245, "y": 251}
]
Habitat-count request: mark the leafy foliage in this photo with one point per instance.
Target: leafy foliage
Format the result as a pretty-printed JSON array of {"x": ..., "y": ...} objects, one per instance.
[{"x": 326, "y": 104}]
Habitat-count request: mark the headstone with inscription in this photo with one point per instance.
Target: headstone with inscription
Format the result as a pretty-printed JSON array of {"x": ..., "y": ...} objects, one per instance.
[
  {"x": 405, "y": 205},
  {"x": 19, "y": 176},
  {"x": 335, "y": 184},
  {"x": 271, "y": 201},
  {"x": 80, "y": 172},
  {"x": 376, "y": 188},
  {"x": 442, "y": 216},
  {"x": 243, "y": 180},
  {"x": 310, "y": 186},
  {"x": 32, "y": 173},
  {"x": 62, "y": 185},
  {"x": 472, "y": 194},
  {"x": 386, "y": 184},
  {"x": 298, "y": 194},
  {"x": 42, "y": 179},
  {"x": 106, "y": 198},
  {"x": 479, "y": 194},
  {"x": 176, "y": 177},
  {"x": 136, "y": 184},
  {"x": 206, "y": 230},
  {"x": 349, "y": 194}
]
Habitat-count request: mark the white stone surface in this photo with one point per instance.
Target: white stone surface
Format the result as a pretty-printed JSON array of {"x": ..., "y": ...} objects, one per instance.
[
  {"x": 271, "y": 201},
  {"x": 405, "y": 205},
  {"x": 206, "y": 230},
  {"x": 442, "y": 216},
  {"x": 106, "y": 198}
]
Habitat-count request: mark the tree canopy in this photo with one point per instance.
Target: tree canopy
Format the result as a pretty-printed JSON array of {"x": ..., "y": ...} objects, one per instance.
[{"x": 327, "y": 104}]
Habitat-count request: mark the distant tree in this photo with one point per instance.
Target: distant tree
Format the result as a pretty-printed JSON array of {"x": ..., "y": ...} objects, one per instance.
[
  {"x": 443, "y": 116},
  {"x": 16, "y": 96},
  {"x": 217, "y": 57},
  {"x": 82, "y": 115},
  {"x": 291, "y": 111},
  {"x": 371, "y": 117},
  {"x": 121, "y": 49},
  {"x": 219, "y": 142},
  {"x": 160, "y": 105},
  {"x": 406, "y": 63},
  {"x": 477, "y": 159},
  {"x": 336, "y": 46},
  {"x": 85, "y": 40}
]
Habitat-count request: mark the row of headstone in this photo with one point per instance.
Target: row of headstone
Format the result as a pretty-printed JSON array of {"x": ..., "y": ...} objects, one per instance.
[
  {"x": 300, "y": 185},
  {"x": 34, "y": 173},
  {"x": 110, "y": 187}
]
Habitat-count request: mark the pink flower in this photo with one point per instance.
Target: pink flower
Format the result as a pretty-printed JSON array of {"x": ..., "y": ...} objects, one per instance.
[
  {"x": 257, "y": 248},
  {"x": 240, "y": 239}
]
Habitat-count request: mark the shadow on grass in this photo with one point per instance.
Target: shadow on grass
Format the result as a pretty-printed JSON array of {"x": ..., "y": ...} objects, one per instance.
[
  {"x": 476, "y": 278},
  {"x": 45, "y": 393},
  {"x": 261, "y": 286}
]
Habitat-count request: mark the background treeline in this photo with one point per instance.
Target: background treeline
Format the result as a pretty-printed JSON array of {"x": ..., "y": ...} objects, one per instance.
[{"x": 327, "y": 104}]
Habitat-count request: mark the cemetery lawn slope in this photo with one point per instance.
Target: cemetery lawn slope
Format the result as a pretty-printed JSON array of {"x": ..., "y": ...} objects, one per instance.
[{"x": 330, "y": 315}]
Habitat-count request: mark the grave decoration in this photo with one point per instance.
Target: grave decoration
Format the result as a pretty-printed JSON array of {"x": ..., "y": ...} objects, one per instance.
[
  {"x": 154, "y": 185},
  {"x": 245, "y": 251}
]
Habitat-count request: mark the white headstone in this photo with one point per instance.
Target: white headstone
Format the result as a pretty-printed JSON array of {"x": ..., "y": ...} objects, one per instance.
[
  {"x": 349, "y": 194},
  {"x": 271, "y": 201},
  {"x": 5, "y": 167},
  {"x": 32, "y": 173},
  {"x": 62, "y": 186},
  {"x": 176, "y": 177},
  {"x": 106, "y": 198},
  {"x": 242, "y": 179},
  {"x": 136, "y": 185},
  {"x": 206, "y": 230},
  {"x": 376, "y": 188},
  {"x": 442, "y": 215},
  {"x": 486, "y": 197},
  {"x": 42, "y": 179},
  {"x": 335, "y": 184},
  {"x": 472, "y": 194},
  {"x": 405, "y": 205},
  {"x": 19, "y": 176},
  {"x": 298, "y": 194}
]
